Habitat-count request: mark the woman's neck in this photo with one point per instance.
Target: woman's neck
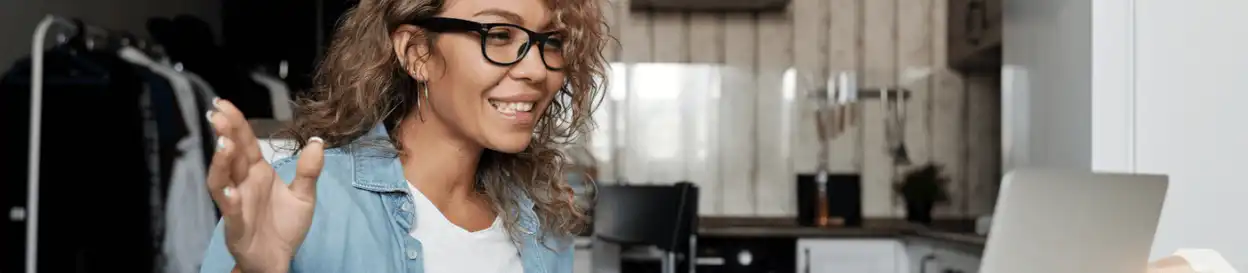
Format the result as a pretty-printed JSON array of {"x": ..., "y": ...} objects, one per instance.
[{"x": 439, "y": 162}]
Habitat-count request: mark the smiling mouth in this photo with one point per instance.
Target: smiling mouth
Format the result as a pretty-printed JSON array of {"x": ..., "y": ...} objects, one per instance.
[{"x": 511, "y": 108}]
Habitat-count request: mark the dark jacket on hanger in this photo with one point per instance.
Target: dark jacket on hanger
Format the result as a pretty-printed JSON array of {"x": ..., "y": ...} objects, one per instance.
[{"x": 95, "y": 189}]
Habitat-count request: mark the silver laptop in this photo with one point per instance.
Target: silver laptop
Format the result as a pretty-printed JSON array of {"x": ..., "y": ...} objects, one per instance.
[{"x": 1049, "y": 221}]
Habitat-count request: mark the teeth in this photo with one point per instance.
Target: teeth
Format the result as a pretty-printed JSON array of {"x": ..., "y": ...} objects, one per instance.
[{"x": 512, "y": 107}]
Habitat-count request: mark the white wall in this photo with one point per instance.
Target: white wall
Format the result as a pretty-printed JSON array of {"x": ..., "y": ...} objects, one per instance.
[
  {"x": 1145, "y": 86},
  {"x": 1050, "y": 42},
  {"x": 1191, "y": 70},
  {"x": 19, "y": 17}
]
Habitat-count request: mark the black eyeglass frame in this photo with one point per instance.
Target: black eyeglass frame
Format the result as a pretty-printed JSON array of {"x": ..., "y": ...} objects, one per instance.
[{"x": 446, "y": 24}]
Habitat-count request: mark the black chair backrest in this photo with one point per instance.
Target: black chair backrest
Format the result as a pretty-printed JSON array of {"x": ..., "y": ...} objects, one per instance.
[{"x": 660, "y": 215}]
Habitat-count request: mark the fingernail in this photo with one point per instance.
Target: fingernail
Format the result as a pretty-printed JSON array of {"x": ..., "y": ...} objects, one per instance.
[
  {"x": 208, "y": 115},
  {"x": 316, "y": 139},
  {"x": 226, "y": 191},
  {"x": 220, "y": 143},
  {"x": 216, "y": 102}
]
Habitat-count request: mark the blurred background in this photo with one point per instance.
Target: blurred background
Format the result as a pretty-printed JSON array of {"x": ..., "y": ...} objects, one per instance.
[{"x": 770, "y": 135}]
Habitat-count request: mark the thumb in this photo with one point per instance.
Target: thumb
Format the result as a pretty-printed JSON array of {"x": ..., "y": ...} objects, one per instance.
[{"x": 308, "y": 169}]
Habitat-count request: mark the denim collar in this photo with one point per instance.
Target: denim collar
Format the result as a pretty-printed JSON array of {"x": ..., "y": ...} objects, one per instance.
[{"x": 376, "y": 167}]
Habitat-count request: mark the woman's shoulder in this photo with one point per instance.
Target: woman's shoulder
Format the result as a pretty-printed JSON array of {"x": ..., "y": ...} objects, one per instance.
[
  {"x": 336, "y": 167},
  {"x": 347, "y": 177}
]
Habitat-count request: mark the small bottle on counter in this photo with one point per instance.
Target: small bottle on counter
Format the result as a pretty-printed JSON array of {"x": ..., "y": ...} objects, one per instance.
[{"x": 821, "y": 208}]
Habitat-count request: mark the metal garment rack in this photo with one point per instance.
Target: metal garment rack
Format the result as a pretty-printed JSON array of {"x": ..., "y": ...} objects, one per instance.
[
  {"x": 31, "y": 212},
  {"x": 63, "y": 29}
]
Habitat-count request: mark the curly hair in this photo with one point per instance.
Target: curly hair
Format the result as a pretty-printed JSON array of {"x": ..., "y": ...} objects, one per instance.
[{"x": 361, "y": 83}]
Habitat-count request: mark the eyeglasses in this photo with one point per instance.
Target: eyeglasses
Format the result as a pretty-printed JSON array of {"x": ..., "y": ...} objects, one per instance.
[{"x": 503, "y": 44}]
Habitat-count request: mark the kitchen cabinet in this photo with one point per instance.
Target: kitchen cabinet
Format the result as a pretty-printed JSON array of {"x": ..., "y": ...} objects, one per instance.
[
  {"x": 935, "y": 258},
  {"x": 851, "y": 256},
  {"x": 974, "y": 35}
]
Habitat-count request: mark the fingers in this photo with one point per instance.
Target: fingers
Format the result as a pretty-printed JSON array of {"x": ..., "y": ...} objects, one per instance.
[
  {"x": 311, "y": 159},
  {"x": 222, "y": 187},
  {"x": 239, "y": 130}
]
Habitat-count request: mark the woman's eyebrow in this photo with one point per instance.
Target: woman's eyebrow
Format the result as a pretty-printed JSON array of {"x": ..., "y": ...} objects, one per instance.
[
  {"x": 507, "y": 15},
  {"x": 515, "y": 19}
]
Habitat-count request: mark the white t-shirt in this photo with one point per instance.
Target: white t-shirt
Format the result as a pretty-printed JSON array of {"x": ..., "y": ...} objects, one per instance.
[{"x": 449, "y": 248}]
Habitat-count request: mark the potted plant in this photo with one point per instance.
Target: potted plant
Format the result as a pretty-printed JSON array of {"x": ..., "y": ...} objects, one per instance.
[{"x": 922, "y": 189}]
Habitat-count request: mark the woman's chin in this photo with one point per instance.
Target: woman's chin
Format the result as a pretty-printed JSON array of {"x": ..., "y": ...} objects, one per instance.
[{"x": 510, "y": 145}]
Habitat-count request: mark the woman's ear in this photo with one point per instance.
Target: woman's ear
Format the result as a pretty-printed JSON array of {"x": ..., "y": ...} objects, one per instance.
[{"x": 411, "y": 50}]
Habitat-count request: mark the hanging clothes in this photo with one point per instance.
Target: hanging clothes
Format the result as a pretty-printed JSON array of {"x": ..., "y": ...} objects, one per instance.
[
  {"x": 162, "y": 129},
  {"x": 94, "y": 169},
  {"x": 188, "y": 222},
  {"x": 279, "y": 94},
  {"x": 206, "y": 94},
  {"x": 203, "y": 89}
]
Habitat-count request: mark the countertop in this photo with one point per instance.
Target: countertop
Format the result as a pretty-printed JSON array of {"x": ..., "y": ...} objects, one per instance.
[{"x": 951, "y": 233}]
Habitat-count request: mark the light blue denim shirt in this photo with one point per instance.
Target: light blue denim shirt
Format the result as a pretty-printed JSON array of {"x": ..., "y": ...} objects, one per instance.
[{"x": 364, "y": 213}]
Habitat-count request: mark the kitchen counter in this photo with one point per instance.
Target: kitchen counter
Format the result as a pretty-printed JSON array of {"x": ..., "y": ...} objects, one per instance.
[{"x": 950, "y": 233}]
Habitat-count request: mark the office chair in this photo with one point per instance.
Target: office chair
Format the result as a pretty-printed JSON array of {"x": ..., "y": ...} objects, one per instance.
[{"x": 663, "y": 216}]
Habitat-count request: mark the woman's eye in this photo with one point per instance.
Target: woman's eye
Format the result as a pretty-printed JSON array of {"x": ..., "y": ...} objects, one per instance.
[
  {"x": 554, "y": 44},
  {"x": 499, "y": 36}
]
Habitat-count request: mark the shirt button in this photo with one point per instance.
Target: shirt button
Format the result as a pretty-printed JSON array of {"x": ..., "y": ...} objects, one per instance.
[{"x": 412, "y": 254}]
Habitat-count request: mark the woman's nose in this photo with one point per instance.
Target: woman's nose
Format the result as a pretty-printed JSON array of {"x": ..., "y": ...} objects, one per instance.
[{"x": 530, "y": 68}]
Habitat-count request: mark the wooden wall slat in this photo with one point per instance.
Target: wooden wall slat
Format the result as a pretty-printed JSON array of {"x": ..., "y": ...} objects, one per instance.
[
  {"x": 737, "y": 192},
  {"x": 611, "y": 17},
  {"x": 670, "y": 37},
  {"x": 706, "y": 46},
  {"x": 809, "y": 60},
  {"x": 706, "y": 38},
  {"x": 914, "y": 73},
  {"x": 948, "y": 116},
  {"x": 879, "y": 69},
  {"x": 774, "y": 183},
  {"x": 844, "y": 55}
]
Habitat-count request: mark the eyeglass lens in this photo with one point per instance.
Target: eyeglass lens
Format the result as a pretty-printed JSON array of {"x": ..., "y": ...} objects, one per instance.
[{"x": 507, "y": 44}]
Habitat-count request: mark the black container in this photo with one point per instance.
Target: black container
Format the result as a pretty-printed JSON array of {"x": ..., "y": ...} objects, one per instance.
[
  {"x": 919, "y": 211},
  {"x": 844, "y": 198}
]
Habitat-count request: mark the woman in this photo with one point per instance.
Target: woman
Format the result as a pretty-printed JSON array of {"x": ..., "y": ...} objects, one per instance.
[{"x": 427, "y": 146}]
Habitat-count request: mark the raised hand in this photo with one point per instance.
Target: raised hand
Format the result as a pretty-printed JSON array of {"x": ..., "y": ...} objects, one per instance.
[{"x": 265, "y": 219}]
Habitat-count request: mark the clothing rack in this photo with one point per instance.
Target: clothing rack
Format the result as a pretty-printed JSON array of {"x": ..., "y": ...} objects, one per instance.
[
  {"x": 140, "y": 102},
  {"x": 36, "y": 127},
  {"x": 77, "y": 34}
]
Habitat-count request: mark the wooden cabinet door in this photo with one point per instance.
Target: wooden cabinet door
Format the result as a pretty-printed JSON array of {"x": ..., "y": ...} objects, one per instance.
[
  {"x": 992, "y": 24},
  {"x": 957, "y": 29},
  {"x": 974, "y": 35}
]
